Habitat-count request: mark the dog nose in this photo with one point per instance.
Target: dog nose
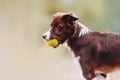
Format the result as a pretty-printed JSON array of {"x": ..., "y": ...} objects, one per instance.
[{"x": 44, "y": 36}]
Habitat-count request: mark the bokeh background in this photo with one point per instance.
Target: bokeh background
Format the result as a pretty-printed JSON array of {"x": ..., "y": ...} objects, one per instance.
[{"x": 24, "y": 55}]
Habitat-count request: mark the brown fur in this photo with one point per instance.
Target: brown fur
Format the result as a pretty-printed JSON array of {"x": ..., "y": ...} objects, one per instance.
[{"x": 98, "y": 51}]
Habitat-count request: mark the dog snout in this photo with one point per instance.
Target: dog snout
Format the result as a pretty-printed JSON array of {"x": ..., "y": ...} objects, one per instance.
[{"x": 44, "y": 36}]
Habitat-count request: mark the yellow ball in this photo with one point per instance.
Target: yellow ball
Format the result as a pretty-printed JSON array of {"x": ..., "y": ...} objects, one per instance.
[{"x": 53, "y": 42}]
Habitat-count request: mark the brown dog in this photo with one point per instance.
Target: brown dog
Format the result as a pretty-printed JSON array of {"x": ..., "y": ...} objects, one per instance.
[{"x": 95, "y": 51}]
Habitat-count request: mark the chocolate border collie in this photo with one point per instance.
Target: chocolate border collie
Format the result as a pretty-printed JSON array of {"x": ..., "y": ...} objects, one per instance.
[{"x": 97, "y": 53}]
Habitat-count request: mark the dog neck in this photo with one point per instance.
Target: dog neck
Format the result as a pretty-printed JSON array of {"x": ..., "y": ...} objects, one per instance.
[
  {"x": 80, "y": 30},
  {"x": 83, "y": 29}
]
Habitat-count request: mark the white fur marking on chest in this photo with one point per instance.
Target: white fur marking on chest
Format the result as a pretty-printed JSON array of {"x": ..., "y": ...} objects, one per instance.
[
  {"x": 84, "y": 30},
  {"x": 77, "y": 62}
]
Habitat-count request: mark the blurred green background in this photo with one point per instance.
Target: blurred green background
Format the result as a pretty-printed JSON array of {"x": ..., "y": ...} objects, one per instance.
[{"x": 24, "y": 55}]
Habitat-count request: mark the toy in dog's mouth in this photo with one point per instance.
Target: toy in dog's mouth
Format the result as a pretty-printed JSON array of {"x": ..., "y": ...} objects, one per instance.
[{"x": 53, "y": 43}]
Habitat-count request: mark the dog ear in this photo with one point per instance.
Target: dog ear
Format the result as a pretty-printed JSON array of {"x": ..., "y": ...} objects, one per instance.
[{"x": 69, "y": 18}]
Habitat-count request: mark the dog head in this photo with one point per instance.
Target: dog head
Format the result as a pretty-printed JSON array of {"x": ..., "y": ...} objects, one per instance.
[{"x": 62, "y": 27}]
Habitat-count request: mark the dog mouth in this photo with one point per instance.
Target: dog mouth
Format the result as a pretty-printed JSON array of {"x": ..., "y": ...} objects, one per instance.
[
  {"x": 56, "y": 46},
  {"x": 53, "y": 42}
]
